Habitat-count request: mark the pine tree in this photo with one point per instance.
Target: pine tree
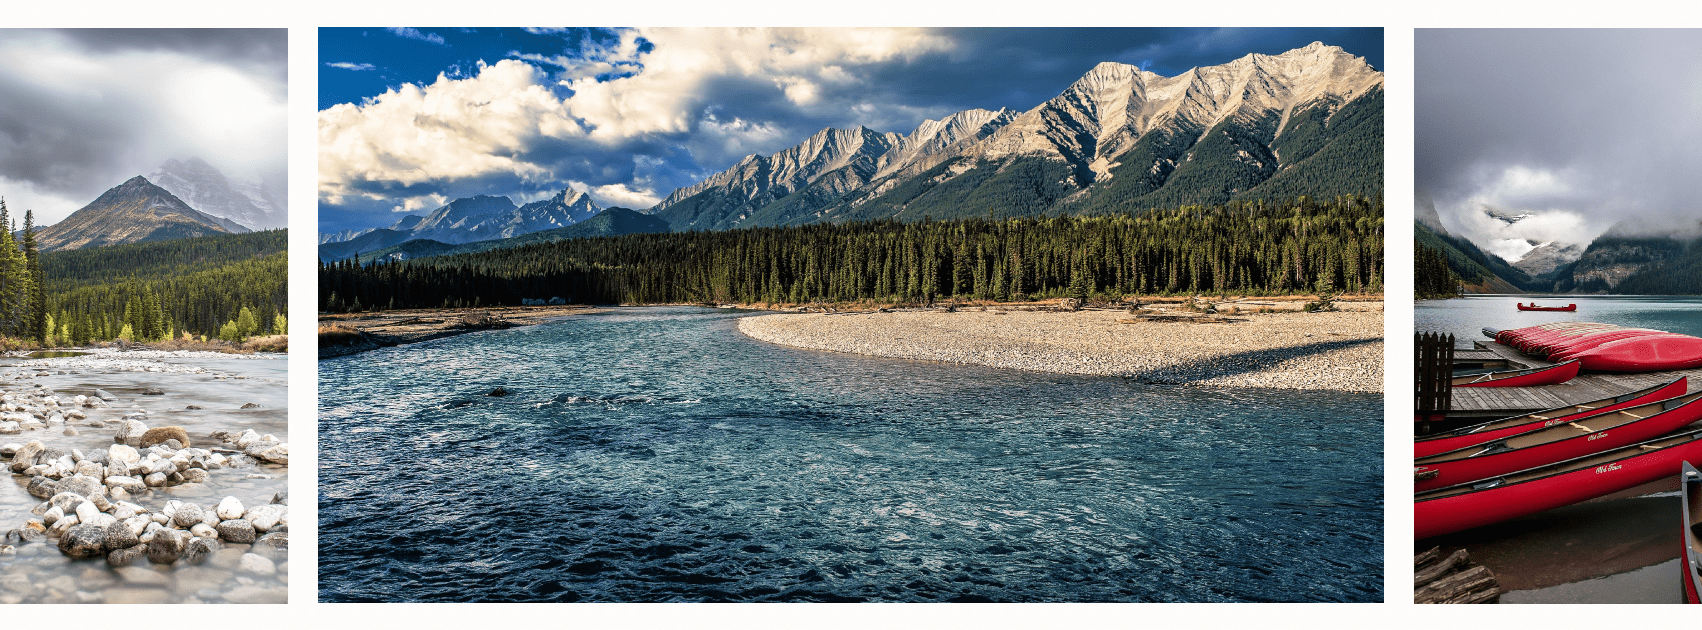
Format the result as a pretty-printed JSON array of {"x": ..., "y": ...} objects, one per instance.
[{"x": 39, "y": 326}]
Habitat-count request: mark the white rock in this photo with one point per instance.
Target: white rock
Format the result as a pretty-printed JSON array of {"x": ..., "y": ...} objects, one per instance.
[
  {"x": 203, "y": 530},
  {"x": 123, "y": 453},
  {"x": 52, "y": 515},
  {"x": 230, "y": 508},
  {"x": 130, "y": 432},
  {"x": 255, "y": 564},
  {"x": 87, "y": 511}
]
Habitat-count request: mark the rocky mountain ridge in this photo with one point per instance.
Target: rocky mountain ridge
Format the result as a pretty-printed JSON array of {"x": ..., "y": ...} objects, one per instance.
[
  {"x": 1117, "y": 121},
  {"x": 132, "y": 212}
]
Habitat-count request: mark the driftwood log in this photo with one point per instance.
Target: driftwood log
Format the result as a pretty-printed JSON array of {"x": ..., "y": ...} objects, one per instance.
[{"x": 1452, "y": 580}]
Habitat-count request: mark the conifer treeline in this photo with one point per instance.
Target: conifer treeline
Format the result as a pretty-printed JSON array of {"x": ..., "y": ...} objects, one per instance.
[
  {"x": 21, "y": 297},
  {"x": 1432, "y": 279},
  {"x": 202, "y": 286},
  {"x": 1251, "y": 247}
]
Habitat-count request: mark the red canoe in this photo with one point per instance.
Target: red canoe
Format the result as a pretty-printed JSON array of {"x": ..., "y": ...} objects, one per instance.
[
  {"x": 1462, "y": 507},
  {"x": 1591, "y": 434},
  {"x": 1566, "y": 350},
  {"x": 1523, "y": 338},
  {"x": 1496, "y": 429},
  {"x": 1691, "y": 562},
  {"x": 1529, "y": 342},
  {"x": 1657, "y": 353},
  {"x": 1534, "y": 307},
  {"x": 1549, "y": 375}
]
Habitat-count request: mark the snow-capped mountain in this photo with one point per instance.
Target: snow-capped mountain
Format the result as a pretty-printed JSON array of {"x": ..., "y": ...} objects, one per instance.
[
  {"x": 1118, "y": 138},
  {"x": 486, "y": 217},
  {"x": 246, "y": 203},
  {"x": 1548, "y": 256},
  {"x": 345, "y": 235}
]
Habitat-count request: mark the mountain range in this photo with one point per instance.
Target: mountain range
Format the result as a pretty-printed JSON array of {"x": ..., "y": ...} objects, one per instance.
[
  {"x": 1119, "y": 139},
  {"x": 1623, "y": 261}
]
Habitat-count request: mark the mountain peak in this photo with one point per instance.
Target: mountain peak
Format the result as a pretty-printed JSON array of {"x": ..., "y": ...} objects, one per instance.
[{"x": 132, "y": 212}]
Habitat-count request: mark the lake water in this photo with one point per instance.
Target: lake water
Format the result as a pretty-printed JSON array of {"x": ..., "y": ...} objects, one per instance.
[
  {"x": 1467, "y": 317},
  {"x": 655, "y": 454},
  {"x": 39, "y": 573},
  {"x": 1613, "y": 551}
]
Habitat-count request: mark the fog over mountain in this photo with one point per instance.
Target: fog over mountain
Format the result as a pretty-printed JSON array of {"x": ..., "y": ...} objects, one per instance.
[
  {"x": 1582, "y": 130},
  {"x": 84, "y": 109}
]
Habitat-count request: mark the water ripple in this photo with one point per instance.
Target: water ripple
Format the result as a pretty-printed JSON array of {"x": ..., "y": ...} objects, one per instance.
[{"x": 657, "y": 455}]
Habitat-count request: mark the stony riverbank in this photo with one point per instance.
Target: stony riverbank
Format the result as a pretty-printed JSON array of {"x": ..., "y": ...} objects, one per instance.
[
  {"x": 1337, "y": 350},
  {"x": 161, "y": 492}
]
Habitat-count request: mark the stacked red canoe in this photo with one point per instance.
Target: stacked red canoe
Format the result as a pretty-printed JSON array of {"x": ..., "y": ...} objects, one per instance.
[{"x": 1606, "y": 347}]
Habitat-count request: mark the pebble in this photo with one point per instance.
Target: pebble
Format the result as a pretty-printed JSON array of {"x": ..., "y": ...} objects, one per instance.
[
  {"x": 1266, "y": 350},
  {"x": 256, "y": 564}
]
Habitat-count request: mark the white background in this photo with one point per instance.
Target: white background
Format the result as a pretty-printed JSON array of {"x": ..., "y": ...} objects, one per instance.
[{"x": 1398, "y": 21}]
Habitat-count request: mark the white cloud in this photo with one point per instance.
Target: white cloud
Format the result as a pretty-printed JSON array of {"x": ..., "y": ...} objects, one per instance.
[
  {"x": 449, "y": 130},
  {"x": 510, "y": 120},
  {"x": 350, "y": 66},
  {"x": 424, "y": 202},
  {"x": 412, "y": 33},
  {"x": 621, "y": 195}
]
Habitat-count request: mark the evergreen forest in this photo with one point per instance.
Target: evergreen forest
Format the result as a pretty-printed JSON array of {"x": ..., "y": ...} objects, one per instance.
[
  {"x": 228, "y": 286},
  {"x": 1243, "y": 247}
]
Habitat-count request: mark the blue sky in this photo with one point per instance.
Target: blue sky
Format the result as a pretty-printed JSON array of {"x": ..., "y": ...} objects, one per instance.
[{"x": 413, "y": 117}]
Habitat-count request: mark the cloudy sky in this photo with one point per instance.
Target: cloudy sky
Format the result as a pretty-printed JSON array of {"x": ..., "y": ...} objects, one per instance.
[
  {"x": 1580, "y": 128},
  {"x": 82, "y": 111},
  {"x": 413, "y": 117}
]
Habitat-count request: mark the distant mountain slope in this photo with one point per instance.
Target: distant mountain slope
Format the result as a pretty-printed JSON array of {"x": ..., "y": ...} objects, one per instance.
[
  {"x": 1638, "y": 265},
  {"x": 1306, "y": 122},
  {"x": 610, "y": 222},
  {"x": 466, "y": 220},
  {"x": 1479, "y": 271},
  {"x": 207, "y": 190},
  {"x": 133, "y": 212},
  {"x": 366, "y": 243}
]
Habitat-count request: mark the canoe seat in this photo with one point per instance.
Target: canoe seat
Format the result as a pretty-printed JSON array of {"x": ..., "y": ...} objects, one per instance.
[
  {"x": 1485, "y": 485},
  {"x": 1581, "y": 427},
  {"x": 1631, "y": 414}
]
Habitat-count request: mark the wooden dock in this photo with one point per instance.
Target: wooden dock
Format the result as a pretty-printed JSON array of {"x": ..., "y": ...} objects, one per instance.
[{"x": 1498, "y": 402}]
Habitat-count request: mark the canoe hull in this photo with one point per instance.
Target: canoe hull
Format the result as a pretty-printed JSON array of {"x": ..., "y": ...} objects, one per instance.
[
  {"x": 1470, "y": 469},
  {"x": 1472, "y": 436},
  {"x": 1446, "y": 515},
  {"x": 1551, "y": 375},
  {"x": 1533, "y": 307},
  {"x": 1645, "y": 354}
]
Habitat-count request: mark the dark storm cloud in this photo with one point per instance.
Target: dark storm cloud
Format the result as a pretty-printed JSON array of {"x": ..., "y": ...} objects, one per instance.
[
  {"x": 83, "y": 110},
  {"x": 1600, "y": 125},
  {"x": 265, "y": 50}
]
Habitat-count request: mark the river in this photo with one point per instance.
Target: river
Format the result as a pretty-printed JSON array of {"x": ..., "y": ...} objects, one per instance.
[
  {"x": 39, "y": 573},
  {"x": 655, "y": 454}
]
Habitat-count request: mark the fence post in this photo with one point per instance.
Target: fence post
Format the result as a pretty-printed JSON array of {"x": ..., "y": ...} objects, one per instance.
[{"x": 1435, "y": 378}]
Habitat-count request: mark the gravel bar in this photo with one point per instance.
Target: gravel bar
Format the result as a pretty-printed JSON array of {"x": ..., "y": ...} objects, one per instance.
[{"x": 1340, "y": 350}]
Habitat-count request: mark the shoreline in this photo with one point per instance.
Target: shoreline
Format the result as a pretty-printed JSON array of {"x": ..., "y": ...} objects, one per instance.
[
  {"x": 1331, "y": 351},
  {"x": 393, "y": 328}
]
